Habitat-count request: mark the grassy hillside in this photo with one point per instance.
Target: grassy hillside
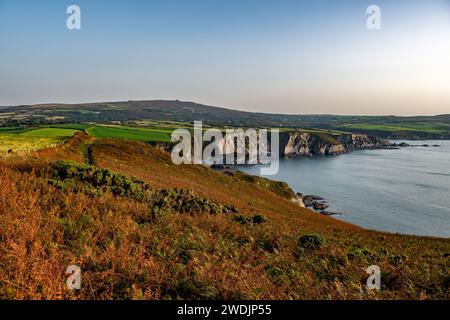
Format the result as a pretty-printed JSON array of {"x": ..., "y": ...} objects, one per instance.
[{"x": 142, "y": 228}]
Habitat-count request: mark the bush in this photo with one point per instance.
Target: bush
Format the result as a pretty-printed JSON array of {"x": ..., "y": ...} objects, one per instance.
[
  {"x": 245, "y": 220},
  {"x": 96, "y": 181},
  {"x": 309, "y": 242},
  {"x": 84, "y": 177},
  {"x": 359, "y": 254},
  {"x": 257, "y": 219},
  {"x": 270, "y": 243},
  {"x": 184, "y": 201}
]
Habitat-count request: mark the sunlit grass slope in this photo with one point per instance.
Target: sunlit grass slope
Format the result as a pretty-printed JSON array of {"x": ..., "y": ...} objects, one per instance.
[{"x": 142, "y": 228}]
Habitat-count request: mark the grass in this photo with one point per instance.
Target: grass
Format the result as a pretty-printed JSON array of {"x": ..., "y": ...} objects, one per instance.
[
  {"x": 50, "y": 132},
  {"x": 131, "y": 133},
  {"x": 10, "y": 130},
  {"x": 18, "y": 140},
  {"x": 76, "y": 126},
  {"x": 426, "y": 127},
  {"x": 327, "y": 138},
  {"x": 102, "y": 219},
  {"x": 15, "y": 143}
]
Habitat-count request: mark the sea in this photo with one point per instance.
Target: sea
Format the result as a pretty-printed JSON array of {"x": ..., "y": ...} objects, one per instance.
[{"x": 404, "y": 190}]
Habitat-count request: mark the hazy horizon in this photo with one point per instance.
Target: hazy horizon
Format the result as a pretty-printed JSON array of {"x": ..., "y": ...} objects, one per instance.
[
  {"x": 234, "y": 108},
  {"x": 289, "y": 57}
]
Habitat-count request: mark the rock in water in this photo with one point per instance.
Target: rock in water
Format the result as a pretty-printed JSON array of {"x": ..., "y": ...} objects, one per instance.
[{"x": 320, "y": 205}]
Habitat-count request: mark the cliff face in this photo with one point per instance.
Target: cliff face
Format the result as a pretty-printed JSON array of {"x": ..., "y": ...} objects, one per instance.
[
  {"x": 362, "y": 141},
  {"x": 302, "y": 144}
]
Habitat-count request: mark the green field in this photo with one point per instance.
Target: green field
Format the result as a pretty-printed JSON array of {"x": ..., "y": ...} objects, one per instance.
[
  {"x": 17, "y": 143},
  {"x": 416, "y": 127},
  {"x": 18, "y": 140},
  {"x": 76, "y": 126},
  {"x": 131, "y": 133},
  {"x": 10, "y": 130},
  {"x": 49, "y": 132}
]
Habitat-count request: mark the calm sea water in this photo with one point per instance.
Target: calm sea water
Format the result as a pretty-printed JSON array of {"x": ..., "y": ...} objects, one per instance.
[{"x": 405, "y": 191}]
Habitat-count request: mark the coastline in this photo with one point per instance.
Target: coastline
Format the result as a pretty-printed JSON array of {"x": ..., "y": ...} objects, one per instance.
[{"x": 351, "y": 200}]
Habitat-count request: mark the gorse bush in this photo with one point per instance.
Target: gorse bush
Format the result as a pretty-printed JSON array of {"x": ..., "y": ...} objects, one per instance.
[
  {"x": 79, "y": 175},
  {"x": 246, "y": 220},
  {"x": 308, "y": 242},
  {"x": 96, "y": 181},
  {"x": 184, "y": 201}
]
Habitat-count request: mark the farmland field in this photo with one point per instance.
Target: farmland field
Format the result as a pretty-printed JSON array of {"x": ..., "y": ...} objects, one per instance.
[
  {"x": 131, "y": 133},
  {"x": 425, "y": 127},
  {"x": 49, "y": 132},
  {"x": 10, "y": 130},
  {"x": 76, "y": 126},
  {"x": 17, "y": 143},
  {"x": 18, "y": 140}
]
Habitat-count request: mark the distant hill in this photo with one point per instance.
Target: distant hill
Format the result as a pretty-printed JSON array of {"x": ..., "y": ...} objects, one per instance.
[{"x": 417, "y": 127}]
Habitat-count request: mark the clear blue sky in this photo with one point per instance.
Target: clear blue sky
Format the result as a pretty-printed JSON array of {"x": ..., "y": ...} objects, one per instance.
[{"x": 287, "y": 56}]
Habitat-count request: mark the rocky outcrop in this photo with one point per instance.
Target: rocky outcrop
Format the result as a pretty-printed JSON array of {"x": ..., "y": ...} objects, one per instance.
[
  {"x": 362, "y": 141},
  {"x": 308, "y": 144},
  {"x": 404, "y": 144},
  {"x": 299, "y": 201},
  {"x": 316, "y": 203}
]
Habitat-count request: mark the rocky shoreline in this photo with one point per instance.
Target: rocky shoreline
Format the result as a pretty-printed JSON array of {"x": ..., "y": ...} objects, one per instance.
[
  {"x": 316, "y": 203},
  {"x": 307, "y": 144},
  {"x": 404, "y": 145}
]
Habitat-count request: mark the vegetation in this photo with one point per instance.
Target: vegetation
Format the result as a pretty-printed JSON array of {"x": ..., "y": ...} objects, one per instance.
[
  {"x": 17, "y": 140},
  {"x": 68, "y": 174},
  {"x": 132, "y": 133},
  {"x": 11, "y": 144},
  {"x": 142, "y": 228},
  {"x": 432, "y": 128},
  {"x": 181, "y": 113},
  {"x": 49, "y": 132},
  {"x": 308, "y": 242},
  {"x": 280, "y": 188}
]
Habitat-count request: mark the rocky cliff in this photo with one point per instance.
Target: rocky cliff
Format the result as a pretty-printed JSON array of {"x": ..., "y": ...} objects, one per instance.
[{"x": 308, "y": 144}]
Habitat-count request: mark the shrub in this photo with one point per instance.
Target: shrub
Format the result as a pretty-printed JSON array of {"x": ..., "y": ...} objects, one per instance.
[
  {"x": 89, "y": 178},
  {"x": 308, "y": 242},
  {"x": 270, "y": 243},
  {"x": 359, "y": 254},
  {"x": 184, "y": 201},
  {"x": 257, "y": 219},
  {"x": 245, "y": 220}
]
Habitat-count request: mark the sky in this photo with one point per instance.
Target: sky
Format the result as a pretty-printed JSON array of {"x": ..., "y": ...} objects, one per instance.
[{"x": 277, "y": 56}]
